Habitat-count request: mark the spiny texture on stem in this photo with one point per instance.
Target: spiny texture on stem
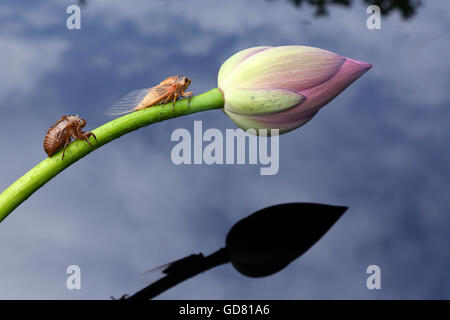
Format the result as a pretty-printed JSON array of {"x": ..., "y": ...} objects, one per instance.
[{"x": 25, "y": 186}]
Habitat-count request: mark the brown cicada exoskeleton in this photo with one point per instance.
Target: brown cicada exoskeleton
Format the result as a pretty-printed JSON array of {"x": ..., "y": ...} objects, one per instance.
[
  {"x": 63, "y": 131},
  {"x": 168, "y": 90}
]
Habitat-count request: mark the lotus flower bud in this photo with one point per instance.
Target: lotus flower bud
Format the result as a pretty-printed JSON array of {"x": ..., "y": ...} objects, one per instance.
[{"x": 283, "y": 87}]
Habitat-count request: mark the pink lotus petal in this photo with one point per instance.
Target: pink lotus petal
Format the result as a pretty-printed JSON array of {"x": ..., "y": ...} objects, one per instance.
[
  {"x": 319, "y": 96},
  {"x": 253, "y": 81},
  {"x": 288, "y": 67},
  {"x": 234, "y": 61}
]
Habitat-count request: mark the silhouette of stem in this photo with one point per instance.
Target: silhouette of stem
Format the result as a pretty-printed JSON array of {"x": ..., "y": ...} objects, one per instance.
[
  {"x": 25, "y": 186},
  {"x": 172, "y": 279}
]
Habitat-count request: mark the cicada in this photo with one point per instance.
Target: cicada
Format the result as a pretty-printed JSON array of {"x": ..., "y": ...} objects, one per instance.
[
  {"x": 169, "y": 90},
  {"x": 63, "y": 131}
]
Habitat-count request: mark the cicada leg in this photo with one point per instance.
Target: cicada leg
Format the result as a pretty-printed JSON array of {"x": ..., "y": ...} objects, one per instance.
[
  {"x": 175, "y": 97},
  {"x": 189, "y": 96},
  {"x": 65, "y": 146},
  {"x": 92, "y": 134},
  {"x": 86, "y": 135}
]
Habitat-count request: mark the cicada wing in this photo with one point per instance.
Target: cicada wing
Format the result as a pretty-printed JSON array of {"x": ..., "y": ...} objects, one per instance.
[
  {"x": 127, "y": 103},
  {"x": 159, "y": 94}
]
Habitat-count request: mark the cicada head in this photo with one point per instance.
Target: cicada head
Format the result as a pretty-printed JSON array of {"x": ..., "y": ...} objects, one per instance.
[
  {"x": 81, "y": 122},
  {"x": 184, "y": 81},
  {"x": 77, "y": 121}
]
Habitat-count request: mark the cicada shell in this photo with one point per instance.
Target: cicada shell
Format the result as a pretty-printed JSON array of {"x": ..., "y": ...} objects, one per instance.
[{"x": 63, "y": 131}]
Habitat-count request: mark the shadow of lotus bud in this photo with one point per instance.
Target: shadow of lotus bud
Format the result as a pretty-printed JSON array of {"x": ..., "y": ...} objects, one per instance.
[
  {"x": 269, "y": 239},
  {"x": 257, "y": 246}
]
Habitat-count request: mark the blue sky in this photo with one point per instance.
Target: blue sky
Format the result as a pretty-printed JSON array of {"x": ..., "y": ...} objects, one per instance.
[{"x": 379, "y": 148}]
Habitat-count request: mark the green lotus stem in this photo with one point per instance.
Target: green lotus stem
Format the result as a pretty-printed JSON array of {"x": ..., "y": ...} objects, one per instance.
[{"x": 25, "y": 186}]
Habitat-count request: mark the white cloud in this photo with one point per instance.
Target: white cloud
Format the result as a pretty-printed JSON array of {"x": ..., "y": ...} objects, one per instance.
[{"x": 25, "y": 59}]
